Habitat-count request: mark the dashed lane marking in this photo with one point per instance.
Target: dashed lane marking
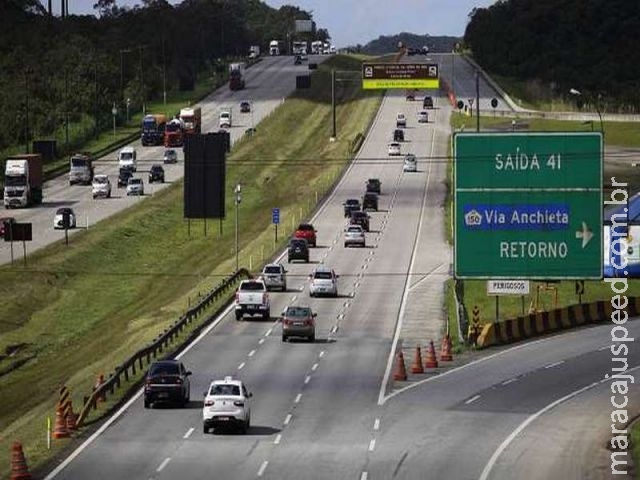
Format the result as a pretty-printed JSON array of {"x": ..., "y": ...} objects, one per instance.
[
  {"x": 555, "y": 364},
  {"x": 511, "y": 380},
  {"x": 376, "y": 424},
  {"x": 189, "y": 432},
  {"x": 472, "y": 399},
  {"x": 241, "y": 366},
  {"x": 252, "y": 353},
  {"x": 278, "y": 438},
  {"x": 315, "y": 366},
  {"x": 263, "y": 467},
  {"x": 163, "y": 464},
  {"x": 306, "y": 380},
  {"x": 298, "y": 397},
  {"x": 287, "y": 419},
  {"x": 372, "y": 445}
]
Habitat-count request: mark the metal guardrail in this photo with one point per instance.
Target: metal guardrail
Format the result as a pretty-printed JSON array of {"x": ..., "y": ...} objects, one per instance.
[{"x": 159, "y": 345}]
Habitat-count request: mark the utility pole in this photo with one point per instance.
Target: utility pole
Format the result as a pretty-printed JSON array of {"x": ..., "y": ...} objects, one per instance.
[
  {"x": 26, "y": 105},
  {"x": 477, "y": 101},
  {"x": 238, "y": 199},
  {"x": 66, "y": 108},
  {"x": 164, "y": 76},
  {"x": 95, "y": 73},
  {"x": 142, "y": 47},
  {"x": 333, "y": 102}
]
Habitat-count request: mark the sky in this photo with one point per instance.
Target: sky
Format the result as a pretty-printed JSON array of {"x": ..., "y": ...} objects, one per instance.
[{"x": 360, "y": 21}]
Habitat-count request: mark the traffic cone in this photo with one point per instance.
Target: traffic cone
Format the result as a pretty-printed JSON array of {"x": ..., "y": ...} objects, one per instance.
[
  {"x": 431, "y": 361},
  {"x": 416, "y": 366},
  {"x": 70, "y": 421},
  {"x": 99, "y": 381},
  {"x": 445, "y": 352},
  {"x": 19, "y": 468},
  {"x": 401, "y": 371},
  {"x": 60, "y": 428}
]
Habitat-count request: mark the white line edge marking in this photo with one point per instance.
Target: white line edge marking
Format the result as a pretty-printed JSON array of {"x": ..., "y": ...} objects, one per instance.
[
  {"x": 241, "y": 366},
  {"x": 252, "y": 353},
  {"x": 163, "y": 464},
  {"x": 306, "y": 380},
  {"x": 376, "y": 424},
  {"x": 277, "y": 440},
  {"x": 298, "y": 397},
  {"x": 263, "y": 467},
  {"x": 405, "y": 293},
  {"x": 189, "y": 432},
  {"x": 555, "y": 364},
  {"x": 511, "y": 380},
  {"x": 287, "y": 419},
  {"x": 606, "y": 347},
  {"x": 503, "y": 446},
  {"x": 472, "y": 399},
  {"x": 261, "y": 341},
  {"x": 372, "y": 445}
]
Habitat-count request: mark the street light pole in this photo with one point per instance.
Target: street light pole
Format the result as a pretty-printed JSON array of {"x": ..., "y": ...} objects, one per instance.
[
  {"x": 114, "y": 112},
  {"x": 26, "y": 104},
  {"x": 238, "y": 199},
  {"x": 333, "y": 102},
  {"x": 122, "y": 52},
  {"x": 477, "y": 101}
]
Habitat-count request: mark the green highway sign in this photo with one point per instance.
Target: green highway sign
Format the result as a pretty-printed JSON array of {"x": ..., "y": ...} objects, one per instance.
[{"x": 528, "y": 205}]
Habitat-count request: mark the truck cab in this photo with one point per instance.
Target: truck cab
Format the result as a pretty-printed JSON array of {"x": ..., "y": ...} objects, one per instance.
[
  {"x": 127, "y": 158},
  {"x": 23, "y": 179},
  {"x": 81, "y": 169},
  {"x": 274, "y": 48},
  {"x": 224, "y": 121}
]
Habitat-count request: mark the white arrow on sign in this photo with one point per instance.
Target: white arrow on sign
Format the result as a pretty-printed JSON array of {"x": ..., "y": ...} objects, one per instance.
[{"x": 585, "y": 234}]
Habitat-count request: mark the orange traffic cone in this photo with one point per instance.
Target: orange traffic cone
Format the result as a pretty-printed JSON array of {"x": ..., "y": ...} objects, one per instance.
[
  {"x": 99, "y": 381},
  {"x": 19, "y": 468},
  {"x": 445, "y": 352},
  {"x": 70, "y": 421},
  {"x": 431, "y": 361},
  {"x": 60, "y": 427},
  {"x": 416, "y": 366},
  {"x": 401, "y": 371}
]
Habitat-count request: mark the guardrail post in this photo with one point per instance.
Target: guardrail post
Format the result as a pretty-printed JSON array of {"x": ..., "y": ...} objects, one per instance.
[{"x": 126, "y": 374}]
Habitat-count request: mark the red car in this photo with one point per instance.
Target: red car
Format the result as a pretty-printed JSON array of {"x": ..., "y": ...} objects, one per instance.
[
  {"x": 2, "y": 221},
  {"x": 306, "y": 231}
]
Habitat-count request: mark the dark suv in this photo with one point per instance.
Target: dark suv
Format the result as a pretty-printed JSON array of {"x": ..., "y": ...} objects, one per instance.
[
  {"x": 156, "y": 174},
  {"x": 123, "y": 177},
  {"x": 167, "y": 381},
  {"x": 298, "y": 250},
  {"x": 427, "y": 102},
  {"x": 360, "y": 218},
  {"x": 370, "y": 201},
  {"x": 351, "y": 205},
  {"x": 374, "y": 185},
  {"x": 398, "y": 135}
]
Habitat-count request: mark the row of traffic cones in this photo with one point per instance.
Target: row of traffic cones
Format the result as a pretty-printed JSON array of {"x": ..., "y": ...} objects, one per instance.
[
  {"x": 431, "y": 361},
  {"x": 19, "y": 468}
]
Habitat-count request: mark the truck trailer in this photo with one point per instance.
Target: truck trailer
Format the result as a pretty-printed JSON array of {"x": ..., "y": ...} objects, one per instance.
[
  {"x": 274, "y": 47},
  {"x": 23, "y": 178},
  {"x": 236, "y": 76},
  {"x": 81, "y": 169},
  {"x": 153, "y": 126}
]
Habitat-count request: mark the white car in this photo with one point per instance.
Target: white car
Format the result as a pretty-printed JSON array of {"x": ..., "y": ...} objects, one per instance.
[
  {"x": 410, "y": 163},
  {"x": 274, "y": 276},
  {"x": 224, "y": 120},
  {"x": 354, "y": 235},
  {"x": 401, "y": 120},
  {"x": 394, "y": 149},
  {"x": 135, "y": 186},
  {"x": 58, "y": 222},
  {"x": 170, "y": 156},
  {"x": 323, "y": 281},
  {"x": 423, "y": 116},
  {"x": 227, "y": 403},
  {"x": 128, "y": 158},
  {"x": 101, "y": 186}
]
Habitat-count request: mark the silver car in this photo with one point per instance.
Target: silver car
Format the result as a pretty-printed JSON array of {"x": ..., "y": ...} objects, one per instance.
[
  {"x": 170, "y": 156},
  {"x": 354, "y": 235},
  {"x": 275, "y": 276},
  {"x": 135, "y": 186},
  {"x": 101, "y": 186},
  {"x": 410, "y": 163},
  {"x": 323, "y": 281}
]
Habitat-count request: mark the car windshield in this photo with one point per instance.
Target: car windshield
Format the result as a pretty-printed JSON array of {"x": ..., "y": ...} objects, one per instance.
[
  {"x": 164, "y": 369},
  {"x": 305, "y": 227},
  {"x": 156, "y": 168},
  {"x": 354, "y": 230},
  {"x": 60, "y": 211},
  {"x": 222, "y": 389},
  {"x": 99, "y": 179},
  {"x": 126, "y": 156},
  {"x": 352, "y": 202},
  {"x": 169, "y": 153},
  {"x": 135, "y": 181},
  {"x": 78, "y": 162},
  {"x": 297, "y": 243},
  {"x": 271, "y": 269},
  {"x": 323, "y": 275},
  {"x": 298, "y": 312},
  {"x": 252, "y": 286}
]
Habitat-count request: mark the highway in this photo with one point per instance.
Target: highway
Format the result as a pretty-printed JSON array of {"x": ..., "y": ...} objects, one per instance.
[
  {"x": 328, "y": 410},
  {"x": 268, "y": 83}
]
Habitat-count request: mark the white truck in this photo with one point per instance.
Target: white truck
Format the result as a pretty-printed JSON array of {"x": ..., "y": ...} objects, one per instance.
[
  {"x": 316, "y": 47},
  {"x": 299, "y": 48},
  {"x": 274, "y": 47},
  {"x": 252, "y": 298},
  {"x": 224, "y": 119},
  {"x": 254, "y": 51},
  {"x": 23, "y": 177}
]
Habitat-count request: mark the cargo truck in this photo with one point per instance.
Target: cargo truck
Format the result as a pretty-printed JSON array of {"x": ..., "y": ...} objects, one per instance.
[
  {"x": 317, "y": 47},
  {"x": 23, "y": 177},
  {"x": 299, "y": 48},
  {"x": 274, "y": 47},
  {"x": 173, "y": 133},
  {"x": 191, "y": 119},
  {"x": 153, "y": 126},
  {"x": 81, "y": 169},
  {"x": 254, "y": 51},
  {"x": 236, "y": 76}
]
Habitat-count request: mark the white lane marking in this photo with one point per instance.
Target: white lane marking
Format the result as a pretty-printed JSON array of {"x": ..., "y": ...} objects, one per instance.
[
  {"x": 307, "y": 378},
  {"x": 372, "y": 445},
  {"x": 555, "y": 364},
  {"x": 263, "y": 467},
  {"x": 301, "y": 289},
  {"x": 376, "y": 424},
  {"x": 341, "y": 316},
  {"x": 315, "y": 365},
  {"x": 427, "y": 276},
  {"x": 472, "y": 399},
  {"x": 241, "y": 366},
  {"x": 606, "y": 347},
  {"x": 298, "y": 397},
  {"x": 356, "y": 285},
  {"x": 321, "y": 354},
  {"x": 511, "y": 380},
  {"x": 364, "y": 476},
  {"x": 163, "y": 464},
  {"x": 287, "y": 419},
  {"x": 294, "y": 298},
  {"x": 252, "y": 353},
  {"x": 277, "y": 440},
  {"x": 261, "y": 341},
  {"x": 334, "y": 329},
  {"x": 189, "y": 432},
  {"x": 268, "y": 332},
  {"x": 365, "y": 266}
]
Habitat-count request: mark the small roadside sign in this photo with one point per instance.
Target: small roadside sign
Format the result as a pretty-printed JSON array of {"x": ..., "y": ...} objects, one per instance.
[
  {"x": 507, "y": 287},
  {"x": 275, "y": 216}
]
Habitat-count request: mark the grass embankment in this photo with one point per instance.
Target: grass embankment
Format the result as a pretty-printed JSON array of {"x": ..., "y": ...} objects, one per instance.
[
  {"x": 82, "y": 310},
  {"x": 625, "y": 134},
  {"x": 635, "y": 449}
]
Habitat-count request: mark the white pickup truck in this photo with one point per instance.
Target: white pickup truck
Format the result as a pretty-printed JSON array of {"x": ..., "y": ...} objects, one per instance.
[{"x": 252, "y": 298}]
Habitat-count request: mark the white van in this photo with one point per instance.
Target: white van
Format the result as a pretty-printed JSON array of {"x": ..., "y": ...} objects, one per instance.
[
  {"x": 127, "y": 158},
  {"x": 225, "y": 119}
]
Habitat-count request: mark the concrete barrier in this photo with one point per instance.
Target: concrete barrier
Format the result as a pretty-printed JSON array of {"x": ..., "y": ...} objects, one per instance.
[{"x": 542, "y": 323}]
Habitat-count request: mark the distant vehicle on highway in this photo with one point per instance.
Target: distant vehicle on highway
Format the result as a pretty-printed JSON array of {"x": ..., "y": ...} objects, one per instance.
[
  {"x": 135, "y": 186},
  {"x": 81, "y": 169},
  {"x": 394, "y": 149},
  {"x": 167, "y": 381},
  {"x": 374, "y": 185},
  {"x": 128, "y": 158},
  {"x": 360, "y": 218},
  {"x": 423, "y": 116},
  {"x": 101, "y": 187},
  {"x": 351, "y": 205},
  {"x": 156, "y": 173},
  {"x": 245, "y": 107},
  {"x": 58, "y": 220},
  {"x": 370, "y": 201},
  {"x": 398, "y": 135},
  {"x": 401, "y": 120},
  {"x": 298, "y": 321},
  {"x": 323, "y": 281},
  {"x": 124, "y": 174},
  {"x": 252, "y": 298},
  {"x": 274, "y": 276},
  {"x": 354, "y": 235},
  {"x": 427, "y": 102},
  {"x": 410, "y": 96},
  {"x": 306, "y": 231},
  {"x": 170, "y": 156},
  {"x": 410, "y": 163},
  {"x": 227, "y": 403},
  {"x": 298, "y": 249}
]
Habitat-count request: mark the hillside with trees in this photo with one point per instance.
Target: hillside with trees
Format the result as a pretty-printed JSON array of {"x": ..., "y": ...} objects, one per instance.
[
  {"x": 53, "y": 69},
  {"x": 589, "y": 45},
  {"x": 389, "y": 43}
]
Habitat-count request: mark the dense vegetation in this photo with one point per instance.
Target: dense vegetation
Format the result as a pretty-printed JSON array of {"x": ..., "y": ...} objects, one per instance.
[
  {"x": 590, "y": 45},
  {"x": 389, "y": 43},
  {"x": 54, "y": 70}
]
